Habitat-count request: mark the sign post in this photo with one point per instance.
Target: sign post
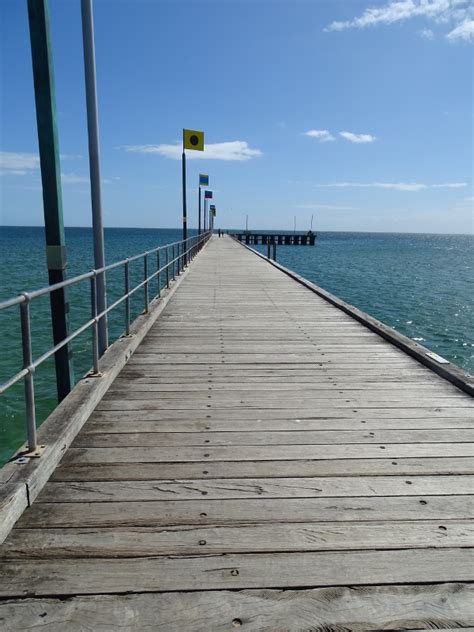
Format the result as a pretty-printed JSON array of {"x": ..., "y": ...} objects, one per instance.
[
  {"x": 192, "y": 139},
  {"x": 207, "y": 196},
  {"x": 212, "y": 215},
  {"x": 43, "y": 77},
  {"x": 203, "y": 182}
]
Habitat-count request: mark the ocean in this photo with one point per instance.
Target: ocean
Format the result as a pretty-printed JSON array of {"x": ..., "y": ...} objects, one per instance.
[{"x": 421, "y": 285}]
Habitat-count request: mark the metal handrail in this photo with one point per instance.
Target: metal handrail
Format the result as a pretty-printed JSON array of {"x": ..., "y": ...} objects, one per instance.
[{"x": 182, "y": 253}]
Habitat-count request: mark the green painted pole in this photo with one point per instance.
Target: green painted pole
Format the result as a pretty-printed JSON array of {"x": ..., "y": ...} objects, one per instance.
[
  {"x": 38, "y": 17},
  {"x": 185, "y": 212}
]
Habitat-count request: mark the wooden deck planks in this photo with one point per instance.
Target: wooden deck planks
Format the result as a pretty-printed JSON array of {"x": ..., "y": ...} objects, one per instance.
[
  {"x": 338, "y": 609},
  {"x": 261, "y": 439}
]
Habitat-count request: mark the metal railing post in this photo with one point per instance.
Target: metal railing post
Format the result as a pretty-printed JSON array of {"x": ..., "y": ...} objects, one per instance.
[
  {"x": 95, "y": 326},
  {"x": 145, "y": 279},
  {"x": 29, "y": 380},
  {"x": 127, "y": 300},
  {"x": 174, "y": 264},
  {"x": 274, "y": 250},
  {"x": 167, "y": 267},
  {"x": 268, "y": 248},
  {"x": 158, "y": 276}
]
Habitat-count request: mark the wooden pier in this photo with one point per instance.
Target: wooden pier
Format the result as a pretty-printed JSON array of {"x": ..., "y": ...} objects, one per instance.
[
  {"x": 281, "y": 239},
  {"x": 266, "y": 461}
]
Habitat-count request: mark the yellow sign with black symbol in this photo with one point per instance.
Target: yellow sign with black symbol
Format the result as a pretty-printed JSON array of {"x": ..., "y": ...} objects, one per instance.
[{"x": 193, "y": 139}]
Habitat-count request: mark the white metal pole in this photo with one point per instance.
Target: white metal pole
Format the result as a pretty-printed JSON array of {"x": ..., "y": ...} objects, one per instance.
[{"x": 94, "y": 164}]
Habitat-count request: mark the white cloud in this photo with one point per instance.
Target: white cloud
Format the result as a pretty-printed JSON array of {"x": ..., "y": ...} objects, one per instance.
[
  {"x": 358, "y": 138},
  {"x": 450, "y": 185},
  {"x": 233, "y": 150},
  {"x": 21, "y": 164},
  {"x": 323, "y": 135},
  {"x": 464, "y": 31},
  {"x": 17, "y": 164},
  {"x": 399, "y": 186},
  {"x": 427, "y": 34},
  {"x": 460, "y": 13}
]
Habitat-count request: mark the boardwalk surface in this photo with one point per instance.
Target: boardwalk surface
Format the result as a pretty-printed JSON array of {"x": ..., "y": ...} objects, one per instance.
[{"x": 263, "y": 462}]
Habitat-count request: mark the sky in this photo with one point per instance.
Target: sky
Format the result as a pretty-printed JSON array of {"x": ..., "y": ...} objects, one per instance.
[{"x": 356, "y": 112}]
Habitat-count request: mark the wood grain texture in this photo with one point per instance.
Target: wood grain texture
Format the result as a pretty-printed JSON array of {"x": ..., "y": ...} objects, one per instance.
[
  {"x": 265, "y": 469},
  {"x": 253, "y": 510},
  {"x": 319, "y": 487},
  {"x": 71, "y": 576},
  {"x": 339, "y": 609},
  {"x": 243, "y": 538}
]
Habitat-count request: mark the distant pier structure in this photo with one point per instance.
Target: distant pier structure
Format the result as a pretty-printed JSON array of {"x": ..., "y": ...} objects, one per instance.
[{"x": 283, "y": 239}]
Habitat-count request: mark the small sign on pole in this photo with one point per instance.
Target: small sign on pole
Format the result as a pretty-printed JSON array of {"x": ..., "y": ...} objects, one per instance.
[
  {"x": 203, "y": 180},
  {"x": 192, "y": 139},
  {"x": 208, "y": 195}
]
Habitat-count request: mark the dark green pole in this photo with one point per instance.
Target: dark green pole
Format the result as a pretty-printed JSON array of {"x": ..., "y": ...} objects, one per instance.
[
  {"x": 185, "y": 212},
  {"x": 38, "y": 16}
]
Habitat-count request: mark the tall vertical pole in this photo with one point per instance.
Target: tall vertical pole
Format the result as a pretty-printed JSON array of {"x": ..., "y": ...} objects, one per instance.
[
  {"x": 205, "y": 213},
  {"x": 199, "y": 212},
  {"x": 94, "y": 165},
  {"x": 185, "y": 213},
  {"x": 43, "y": 76},
  {"x": 246, "y": 223}
]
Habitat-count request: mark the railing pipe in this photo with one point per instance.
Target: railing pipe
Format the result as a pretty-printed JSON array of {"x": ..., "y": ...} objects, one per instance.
[
  {"x": 181, "y": 252},
  {"x": 146, "y": 298},
  {"x": 127, "y": 294},
  {"x": 158, "y": 278},
  {"x": 95, "y": 326},
  {"x": 29, "y": 380}
]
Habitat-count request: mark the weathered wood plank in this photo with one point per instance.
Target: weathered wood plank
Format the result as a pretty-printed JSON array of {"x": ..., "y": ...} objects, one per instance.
[
  {"x": 205, "y": 511},
  {"x": 233, "y": 571},
  {"x": 266, "y": 453},
  {"x": 112, "y": 422},
  {"x": 129, "y": 491},
  {"x": 244, "y": 538},
  {"x": 264, "y": 469},
  {"x": 293, "y": 397},
  {"x": 13, "y": 502},
  {"x": 295, "y": 437},
  {"x": 362, "y": 413},
  {"x": 336, "y": 608},
  {"x": 270, "y": 403}
]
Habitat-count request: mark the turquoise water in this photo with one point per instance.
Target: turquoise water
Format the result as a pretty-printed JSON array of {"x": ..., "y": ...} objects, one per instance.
[
  {"x": 22, "y": 253},
  {"x": 422, "y": 285}
]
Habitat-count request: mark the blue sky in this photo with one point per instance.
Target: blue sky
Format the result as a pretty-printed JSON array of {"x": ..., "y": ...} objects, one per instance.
[{"x": 355, "y": 111}]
